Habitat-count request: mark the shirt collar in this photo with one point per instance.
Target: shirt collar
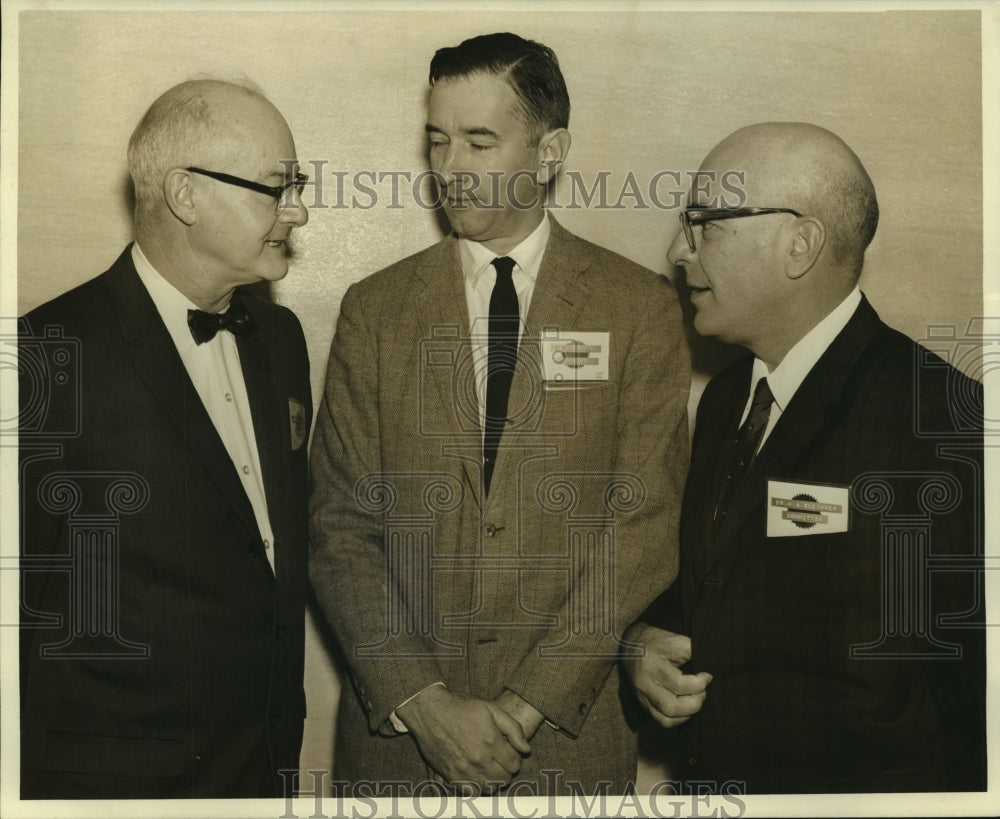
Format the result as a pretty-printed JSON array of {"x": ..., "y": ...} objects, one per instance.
[
  {"x": 171, "y": 303},
  {"x": 786, "y": 378},
  {"x": 476, "y": 257}
]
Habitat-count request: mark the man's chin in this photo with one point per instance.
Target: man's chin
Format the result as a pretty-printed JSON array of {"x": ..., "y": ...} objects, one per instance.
[
  {"x": 272, "y": 273},
  {"x": 462, "y": 221},
  {"x": 703, "y": 324}
]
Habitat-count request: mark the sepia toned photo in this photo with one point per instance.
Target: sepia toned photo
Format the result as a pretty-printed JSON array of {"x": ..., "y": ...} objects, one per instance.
[{"x": 501, "y": 409}]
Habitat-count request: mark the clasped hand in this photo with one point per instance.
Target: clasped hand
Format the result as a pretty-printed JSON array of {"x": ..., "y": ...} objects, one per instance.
[
  {"x": 667, "y": 693},
  {"x": 471, "y": 743}
]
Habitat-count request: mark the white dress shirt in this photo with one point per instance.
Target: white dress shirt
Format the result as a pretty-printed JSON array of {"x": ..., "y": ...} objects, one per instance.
[
  {"x": 214, "y": 367},
  {"x": 786, "y": 378},
  {"x": 480, "y": 276}
]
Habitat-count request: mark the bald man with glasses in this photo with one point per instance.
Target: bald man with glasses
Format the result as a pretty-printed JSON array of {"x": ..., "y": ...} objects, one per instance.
[
  {"x": 826, "y": 631},
  {"x": 163, "y": 427}
]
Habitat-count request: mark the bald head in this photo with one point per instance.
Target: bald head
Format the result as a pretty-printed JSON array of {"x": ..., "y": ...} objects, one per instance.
[
  {"x": 203, "y": 123},
  {"x": 809, "y": 169}
]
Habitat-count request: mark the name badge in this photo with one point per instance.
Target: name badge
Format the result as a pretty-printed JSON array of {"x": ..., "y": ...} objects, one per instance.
[
  {"x": 571, "y": 357},
  {"x": 797, "y": 509},
  {"x": 297, "y": 423}
]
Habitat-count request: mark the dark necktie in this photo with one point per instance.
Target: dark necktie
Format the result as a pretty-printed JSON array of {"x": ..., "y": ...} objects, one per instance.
[
  {"x": 236, "y": 320},
  {"x": 745, "y": 448},
  {"x": 505, "y": 327}
]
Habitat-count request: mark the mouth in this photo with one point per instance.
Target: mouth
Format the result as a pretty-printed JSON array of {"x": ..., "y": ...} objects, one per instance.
[
  {"x": 697, "y": 291},
  {"x": 284, "y": 246}
]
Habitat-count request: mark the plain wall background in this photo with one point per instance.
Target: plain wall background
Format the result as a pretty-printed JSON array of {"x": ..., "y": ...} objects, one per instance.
[{"x": 651, "y": 91}]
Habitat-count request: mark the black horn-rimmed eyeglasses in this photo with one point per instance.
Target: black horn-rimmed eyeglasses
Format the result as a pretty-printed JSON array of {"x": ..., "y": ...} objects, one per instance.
[
  {"x": 276, "y": 191},
  {"x": 695, "y": 215}
]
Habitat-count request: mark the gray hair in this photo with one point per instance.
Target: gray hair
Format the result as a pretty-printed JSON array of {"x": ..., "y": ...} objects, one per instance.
[{"x": 176, "y": 131}]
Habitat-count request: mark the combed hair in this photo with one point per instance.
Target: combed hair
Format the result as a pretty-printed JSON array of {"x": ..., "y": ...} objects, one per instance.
[{"x": 530, "y": 68}]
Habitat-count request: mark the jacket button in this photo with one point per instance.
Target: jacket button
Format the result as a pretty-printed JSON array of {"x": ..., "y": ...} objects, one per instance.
[
  {"x": 583, "y": 708},
  {"x": 280, "y": 631},
  {"x": 692, "y": 761},
  {"x": 252, "y": 549},
  {"x": 491, "y": 530}
]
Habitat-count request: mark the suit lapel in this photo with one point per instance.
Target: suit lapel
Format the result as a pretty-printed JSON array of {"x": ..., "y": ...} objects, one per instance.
[
  {"x": 442, "y": 324},
  {"x": 559, "y": 292},
  {"x": 265, "y": 409},
  {"x": 799, "y": 427},
  {"x": 558, "y": 297},
  {"x": 715, "y": 436},
  {"x": 160, "y": 367}
]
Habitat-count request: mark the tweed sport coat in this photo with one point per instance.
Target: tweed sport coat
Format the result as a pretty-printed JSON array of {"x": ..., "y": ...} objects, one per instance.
[
  {"x": 161, "y": 656},
  {"x": 423, "y": 579},
  {"x": 842, "y": 661}
]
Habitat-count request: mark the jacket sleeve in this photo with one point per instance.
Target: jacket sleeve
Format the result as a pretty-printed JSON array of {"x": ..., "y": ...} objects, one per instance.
[
  {"x": 644, "y": 497},
  {"x": 348, "y": 565}
]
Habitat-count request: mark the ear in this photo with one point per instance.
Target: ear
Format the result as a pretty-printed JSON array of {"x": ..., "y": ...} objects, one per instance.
[
  {"x": 178, "y": 193},
  {"x": 808, "y": 241},
  {"x": 552, "y": 150}
]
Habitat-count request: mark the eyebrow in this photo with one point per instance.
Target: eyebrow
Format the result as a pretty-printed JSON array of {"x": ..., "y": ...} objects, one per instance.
[{"x": 480, "y": 131}]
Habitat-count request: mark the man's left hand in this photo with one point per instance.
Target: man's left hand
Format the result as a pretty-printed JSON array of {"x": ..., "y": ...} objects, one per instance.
[{"x": 520, "y": 709}]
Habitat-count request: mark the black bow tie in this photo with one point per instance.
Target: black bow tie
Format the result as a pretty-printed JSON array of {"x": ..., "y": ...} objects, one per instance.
[{"x": 236, "y": 320}]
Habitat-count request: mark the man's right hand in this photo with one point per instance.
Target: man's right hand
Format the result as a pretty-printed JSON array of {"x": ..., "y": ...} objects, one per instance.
[
  {"x": 464, "y": 739},
  {"x": 668, "y": 694}
]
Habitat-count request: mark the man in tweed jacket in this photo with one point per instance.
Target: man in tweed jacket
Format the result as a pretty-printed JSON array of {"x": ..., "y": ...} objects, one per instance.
[{"x": 481, "y": 625}]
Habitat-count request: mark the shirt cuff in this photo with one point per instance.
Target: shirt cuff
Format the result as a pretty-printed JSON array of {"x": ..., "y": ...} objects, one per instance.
[{"x": 397, "y": 723}]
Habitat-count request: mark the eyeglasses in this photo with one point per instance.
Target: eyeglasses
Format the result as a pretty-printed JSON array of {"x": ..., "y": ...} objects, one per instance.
[
  {"x": 695, "y": 215},
  {"x": 298, "y": 183}
]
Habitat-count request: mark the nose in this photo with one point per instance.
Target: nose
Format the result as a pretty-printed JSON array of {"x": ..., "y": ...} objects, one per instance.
[
  {"x": 295, "y": 214},
  {"x": 443, "y": 161},
  {"x": 680, "y": 252}
]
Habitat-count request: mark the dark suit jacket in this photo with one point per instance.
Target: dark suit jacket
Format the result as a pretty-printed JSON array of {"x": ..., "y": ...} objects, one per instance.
[
  {"x": 424, "y": 579},
  {"x": 832, "y": 653},
  {"x": 161, "y": 657}
]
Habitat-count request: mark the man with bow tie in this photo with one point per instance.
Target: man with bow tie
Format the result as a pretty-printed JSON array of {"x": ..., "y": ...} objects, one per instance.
[
  {"x": 163, "y": 433},
  {"x": 497, "y": 465}
]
